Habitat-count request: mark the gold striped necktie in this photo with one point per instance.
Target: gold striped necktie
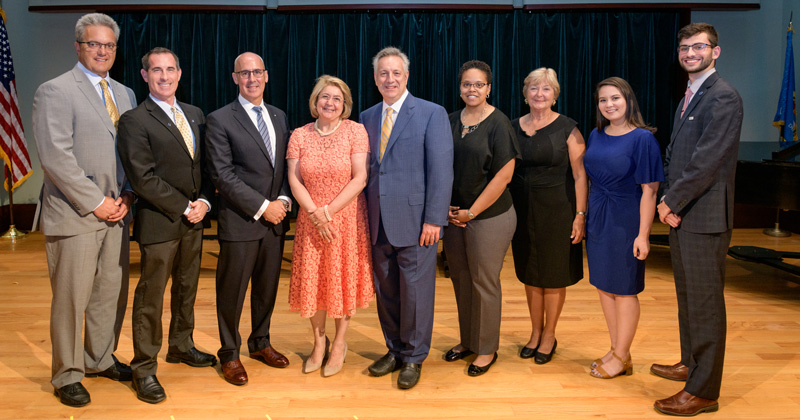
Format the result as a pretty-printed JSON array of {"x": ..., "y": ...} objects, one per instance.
[
  {"x": 186, "y": 132},
  {"x": 386, "y": 131},
  {"x": 110, "y": 107}
]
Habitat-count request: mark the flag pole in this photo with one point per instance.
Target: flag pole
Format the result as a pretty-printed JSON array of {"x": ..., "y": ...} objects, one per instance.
[{"x": 12, "y": 232}]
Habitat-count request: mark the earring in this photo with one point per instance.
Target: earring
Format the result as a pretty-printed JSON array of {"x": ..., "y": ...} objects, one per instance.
[
  {"x": 554, "y": 102},
  {"x": 487, "y": 96},
  {"x": 526, "y": 101}
]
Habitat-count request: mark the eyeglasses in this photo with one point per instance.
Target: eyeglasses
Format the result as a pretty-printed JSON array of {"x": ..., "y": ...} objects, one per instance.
[
  {"x": 698, "y": 47},
  {"x": 477, "y": 85},
  {"x": 94, "y": 45},
  {"x": 254, "y": 73}
]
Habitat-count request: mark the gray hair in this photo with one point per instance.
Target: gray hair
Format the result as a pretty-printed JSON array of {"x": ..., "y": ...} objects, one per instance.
[
  {"x": 159, "y": 50},
  {"x": 387, "y": 52},
  {"x": 95, "y": 19}
]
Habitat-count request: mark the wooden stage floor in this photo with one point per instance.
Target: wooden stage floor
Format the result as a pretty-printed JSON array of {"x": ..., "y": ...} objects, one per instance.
[{"x": 761, "y": 381}]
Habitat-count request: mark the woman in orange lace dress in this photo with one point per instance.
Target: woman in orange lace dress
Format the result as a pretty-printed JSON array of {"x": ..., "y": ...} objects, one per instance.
[{"x": 331, "y": 260}]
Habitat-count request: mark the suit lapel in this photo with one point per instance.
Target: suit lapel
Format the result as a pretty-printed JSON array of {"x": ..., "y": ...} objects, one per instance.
[
  {"x": 696, "y": 99},
  {"x": 93, "y": 97},
  {"x": 166, "y": 121},
  {"x": 247, "y": 124},
  {"x": 403, "y": 118}
]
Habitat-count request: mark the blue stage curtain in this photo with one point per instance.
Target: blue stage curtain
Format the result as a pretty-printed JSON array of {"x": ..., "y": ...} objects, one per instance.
[{"x": 582, "y": 47}]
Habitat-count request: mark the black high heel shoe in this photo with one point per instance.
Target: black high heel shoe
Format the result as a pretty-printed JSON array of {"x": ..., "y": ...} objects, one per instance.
[
  {"x": 480, "y": 370},
  {"x": 541, "y": 358}
]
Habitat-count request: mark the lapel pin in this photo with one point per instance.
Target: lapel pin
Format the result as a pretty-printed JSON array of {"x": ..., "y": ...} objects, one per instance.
[{"x": 691, "y": 118}]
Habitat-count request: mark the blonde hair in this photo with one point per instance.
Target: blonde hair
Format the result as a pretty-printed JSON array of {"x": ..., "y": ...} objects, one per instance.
[
  {"x": 542, "y": 74},
  {"x": 324, "y": 81}
]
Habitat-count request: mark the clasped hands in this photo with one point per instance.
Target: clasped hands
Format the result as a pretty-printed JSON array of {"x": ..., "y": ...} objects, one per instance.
[
  {"x": 666, "y": 215},
  {"x": 114, "y": 210},
  {"x": 275, "y": 212},
  {"x": 198, "y": 211},
  {"x": 458, "y": 217},
  {"x": 320, "y": 221}
]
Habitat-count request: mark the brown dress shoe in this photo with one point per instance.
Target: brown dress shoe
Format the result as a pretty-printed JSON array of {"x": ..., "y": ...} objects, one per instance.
[
  {"x": 271, "y": 357},
  {"x": 685, "y": 404},
  {"x": 234, "y": 372},
  {"x": 676, "y": 372}
]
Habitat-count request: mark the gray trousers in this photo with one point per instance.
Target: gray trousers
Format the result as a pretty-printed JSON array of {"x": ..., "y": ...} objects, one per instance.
[
  {"x": 86, "y": 273},
  {"x": 476, "y": 254},
  {"x": 698, "y": 261}
]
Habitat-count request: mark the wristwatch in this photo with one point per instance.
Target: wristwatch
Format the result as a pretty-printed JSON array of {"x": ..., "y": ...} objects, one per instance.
[{"x": 469, "y": 214}]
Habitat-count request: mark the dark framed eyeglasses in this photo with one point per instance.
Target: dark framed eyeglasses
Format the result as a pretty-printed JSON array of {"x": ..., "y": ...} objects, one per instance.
[
  {"x": 698, "y": 47},
  {"x": 94, "y": 45},
  {"x": 248, "y": 73}
]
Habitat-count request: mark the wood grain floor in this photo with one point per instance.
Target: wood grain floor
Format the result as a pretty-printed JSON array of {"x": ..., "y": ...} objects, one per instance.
[{"x": 761, "y": 380}]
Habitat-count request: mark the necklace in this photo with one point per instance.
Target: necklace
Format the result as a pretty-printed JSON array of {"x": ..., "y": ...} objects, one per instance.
[
  {"x": 471, "y": 128},
  {"x": 322, "y": 133}
]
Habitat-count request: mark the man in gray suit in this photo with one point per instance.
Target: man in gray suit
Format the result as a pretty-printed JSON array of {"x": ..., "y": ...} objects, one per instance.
[
  {"x": 408, "y": 197},
  {"x": 698, "y": 205},
  {"x": 82, "y": 210}
]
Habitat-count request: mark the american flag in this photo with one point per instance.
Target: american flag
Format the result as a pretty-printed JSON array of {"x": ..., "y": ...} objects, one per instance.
[{"x": 13, "y": 149}]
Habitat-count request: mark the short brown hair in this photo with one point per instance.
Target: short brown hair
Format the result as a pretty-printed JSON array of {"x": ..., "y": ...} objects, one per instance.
[
  {"x": 693, "y": 29},
  {"x": 159, "y": 50},
  {"x": 322, "y": 82}
]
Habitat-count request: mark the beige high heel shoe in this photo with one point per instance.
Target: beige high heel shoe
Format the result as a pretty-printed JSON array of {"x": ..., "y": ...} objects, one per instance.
[
  {"x": 627, "y": 368},
  {"x": 333, "y": 370},
  {"x": 598, "y": 362},
  {"x": 309, "y": 367}
]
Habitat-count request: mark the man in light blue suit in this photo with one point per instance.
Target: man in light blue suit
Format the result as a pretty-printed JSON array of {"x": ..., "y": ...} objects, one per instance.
[{"x": 408, "y": 193}]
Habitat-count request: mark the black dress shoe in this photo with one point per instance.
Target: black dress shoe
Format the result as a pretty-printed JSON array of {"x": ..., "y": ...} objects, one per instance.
[
  {"x": 117, "y": 371},
  {"x": 473, "y": 370},
  {"x": 149, "y": 390},
  {"x": 193, "y": 357},
  {"x": 452, "y": 355},
  {"x": 73, "y": 395},
  {"x": 527, "y": 352},
  {"x": 385, "y": 365},
  {"x": 541, "y": 358},
  {"x": 409, "y": 375}
]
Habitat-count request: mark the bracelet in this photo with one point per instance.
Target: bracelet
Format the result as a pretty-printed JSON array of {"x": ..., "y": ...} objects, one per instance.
[
  {"x": 327, "y": 215},
  {"x": 582, "y": 213}
]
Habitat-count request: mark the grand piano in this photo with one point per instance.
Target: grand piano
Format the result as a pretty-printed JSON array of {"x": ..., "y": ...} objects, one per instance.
[{"x": 771, "y": 183}]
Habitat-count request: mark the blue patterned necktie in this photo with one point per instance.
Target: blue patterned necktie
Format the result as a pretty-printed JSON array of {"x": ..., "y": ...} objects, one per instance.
[{"x": 262, "y": 128}]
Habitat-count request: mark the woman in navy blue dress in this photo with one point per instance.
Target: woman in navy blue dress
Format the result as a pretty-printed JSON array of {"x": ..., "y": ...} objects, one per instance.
[{"x": 623, "y": 162}]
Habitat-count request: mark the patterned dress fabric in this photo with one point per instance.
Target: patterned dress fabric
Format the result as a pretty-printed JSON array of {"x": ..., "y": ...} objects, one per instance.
[{"x": 335, "y": 277}]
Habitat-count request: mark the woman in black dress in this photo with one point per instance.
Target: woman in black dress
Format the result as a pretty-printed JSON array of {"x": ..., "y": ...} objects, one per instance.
[
  {"x": 482, "y": 217},
  {"x": 549, "y": 189}
]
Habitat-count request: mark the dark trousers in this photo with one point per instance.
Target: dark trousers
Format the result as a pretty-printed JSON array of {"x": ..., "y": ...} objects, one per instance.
[
  {"x": 239, "y": 262},
  {"x": 405, "y": 280},
  {"x": 181, "y": 258},
  {"x": 698, "y": 261}
]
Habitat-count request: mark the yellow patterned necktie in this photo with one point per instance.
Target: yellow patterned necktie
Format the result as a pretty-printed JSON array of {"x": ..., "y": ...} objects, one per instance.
[
  {"x": 110, "y": 107},
  {"x": 386, "y": 131},
  {"x": 186, "y": 132}
]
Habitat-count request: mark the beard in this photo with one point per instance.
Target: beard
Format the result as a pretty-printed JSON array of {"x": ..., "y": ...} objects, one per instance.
[{"x": 702, "y": 66}]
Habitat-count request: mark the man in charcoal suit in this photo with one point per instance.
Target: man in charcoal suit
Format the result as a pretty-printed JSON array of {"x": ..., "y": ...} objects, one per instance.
[
  {"x": 246, "y": 143},
  {"x": 161, "y": 144},
  {"x": 698, "y": 205}
]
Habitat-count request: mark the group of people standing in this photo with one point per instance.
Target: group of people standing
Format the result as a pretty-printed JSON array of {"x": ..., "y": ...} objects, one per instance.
[{"x": 374, "y": 199}]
